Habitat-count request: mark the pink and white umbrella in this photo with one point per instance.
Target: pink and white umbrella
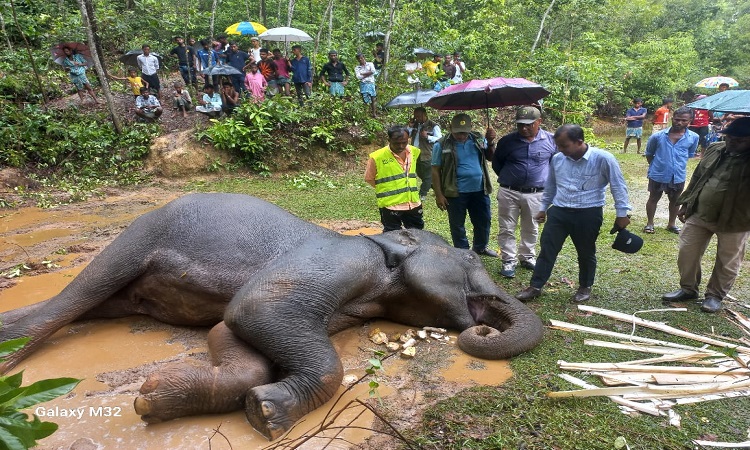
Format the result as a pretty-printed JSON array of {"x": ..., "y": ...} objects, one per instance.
[{"x": 490, "y": 93}]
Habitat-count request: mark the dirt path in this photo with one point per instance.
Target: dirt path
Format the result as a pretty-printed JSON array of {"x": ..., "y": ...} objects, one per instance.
[{"x": 114, "y": 357}]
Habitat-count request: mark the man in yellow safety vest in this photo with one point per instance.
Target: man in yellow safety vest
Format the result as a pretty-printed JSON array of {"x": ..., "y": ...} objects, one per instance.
[{"x": 392, "y": 171}]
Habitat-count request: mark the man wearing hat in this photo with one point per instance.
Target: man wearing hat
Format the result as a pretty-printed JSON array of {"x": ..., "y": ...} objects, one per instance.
[
  {"x": 462, "y": 183},
  {"x": 715, "y": 203},
  {"x": 334, "y": 74},
  {"x": 521, "y": 162},
  {"x": 572, "y": 205}
]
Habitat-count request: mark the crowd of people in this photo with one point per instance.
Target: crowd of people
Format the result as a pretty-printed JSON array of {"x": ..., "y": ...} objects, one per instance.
[{"x": 560, "y": 180}]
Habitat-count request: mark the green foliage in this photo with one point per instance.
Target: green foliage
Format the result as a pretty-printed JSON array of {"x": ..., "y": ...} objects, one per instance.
[
  {"x": 17, "y": 432},
  {"x": 374, "y": 366}
]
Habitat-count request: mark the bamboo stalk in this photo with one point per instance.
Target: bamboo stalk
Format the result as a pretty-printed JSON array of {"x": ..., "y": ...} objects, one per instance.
[
  {"x": 710, "y": 397},
  {"x": 653, "y": 391},
  {"x": 648, "y": 369},
  {"x": 642, "y": 407},
  {"x": 661, "y": 327},
  {"x": 618, "y": 379},
  {"x": 745, "y": 444},
  {"x": 660, "y": 350},
  {"x": 628, "y": 337}
]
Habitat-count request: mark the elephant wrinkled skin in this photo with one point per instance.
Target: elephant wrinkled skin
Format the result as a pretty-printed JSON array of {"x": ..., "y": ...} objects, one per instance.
[{"x": 247, "y": 268}]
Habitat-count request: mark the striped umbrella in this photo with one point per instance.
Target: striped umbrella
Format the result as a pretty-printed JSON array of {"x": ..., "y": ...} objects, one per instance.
[{"x": 246, "y": 28}]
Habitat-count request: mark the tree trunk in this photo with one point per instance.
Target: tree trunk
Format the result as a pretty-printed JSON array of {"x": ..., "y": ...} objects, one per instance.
[
  {"x": 214, "y": 5},
  {"x": 87, "y": 21},
  {"x": 262, "y": 11},
  {"x": 541, "y": 25},
  {"x": 330, "y": 24},
  {"x": 356, "y": 6},
  {"x": 289, "y": 13},
  {"x": 31, "y": 55},
  {"x": 92, "y": 25},
  {"x": 5, "y": 33},
  {"x": 387, "y": 43},
  {"x": 320, "y": 28}
]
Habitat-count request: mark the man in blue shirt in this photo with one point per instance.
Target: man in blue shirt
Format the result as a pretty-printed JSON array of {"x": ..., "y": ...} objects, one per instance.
[
  {"x": 634, "y": 118},
  {"x": 667, "y": 153},
  {"x": 521, "y": 162},
  {"x": 572, "y": 205},
  {"x": 236, "y": 58},
  {"x": 302, "y": 74},
  {"x": 462, "y": 183}
]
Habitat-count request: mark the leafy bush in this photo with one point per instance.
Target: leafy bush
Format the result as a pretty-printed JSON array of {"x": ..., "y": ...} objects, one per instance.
[{"x": 17, "y": 432}]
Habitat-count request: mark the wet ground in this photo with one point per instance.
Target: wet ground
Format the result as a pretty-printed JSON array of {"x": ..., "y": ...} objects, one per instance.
[{"x": 113, "y": 357}]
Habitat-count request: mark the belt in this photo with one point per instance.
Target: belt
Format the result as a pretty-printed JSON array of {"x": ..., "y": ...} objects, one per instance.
[{"x": 523, "y": 190}]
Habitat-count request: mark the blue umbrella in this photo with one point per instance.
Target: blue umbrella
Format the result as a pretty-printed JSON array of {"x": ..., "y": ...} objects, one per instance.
[{"x": 737, "y": 102}]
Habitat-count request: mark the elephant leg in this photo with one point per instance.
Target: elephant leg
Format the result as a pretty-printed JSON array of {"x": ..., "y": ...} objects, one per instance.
[{"x": 186, "y": 389}]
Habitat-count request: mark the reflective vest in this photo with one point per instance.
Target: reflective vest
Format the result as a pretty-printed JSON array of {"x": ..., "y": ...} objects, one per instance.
[{"x": 393, "y": 185}]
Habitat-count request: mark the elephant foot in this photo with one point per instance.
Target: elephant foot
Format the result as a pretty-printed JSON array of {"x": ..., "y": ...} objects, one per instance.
[
  {"x": 182, "y": 390},
  {"x": 271, "y": 410}
]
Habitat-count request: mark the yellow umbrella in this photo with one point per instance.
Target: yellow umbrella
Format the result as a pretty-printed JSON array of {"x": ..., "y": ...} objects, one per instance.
[{"x": 246, "y": 28}]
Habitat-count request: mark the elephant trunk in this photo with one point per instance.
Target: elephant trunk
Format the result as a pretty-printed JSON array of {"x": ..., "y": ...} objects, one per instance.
[{"x": 506, "y": 327}]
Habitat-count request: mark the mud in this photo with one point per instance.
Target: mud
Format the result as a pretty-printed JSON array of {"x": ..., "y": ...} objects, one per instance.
[{"x": 113, "y": 357}]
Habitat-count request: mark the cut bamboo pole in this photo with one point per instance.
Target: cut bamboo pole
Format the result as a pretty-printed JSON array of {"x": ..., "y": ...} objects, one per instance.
[
  {"x": 618, "y": 379},
  {"x": 627, "y": 337},
  {"x": 659, "y": 350},
  {"x": 642, "y": 407},
  {"x": 661, "y": 327},
  {"x": 601, "y": 367},
  {"x": 711, "y": 397},
  {"x": 650, "y": 390},
  {"x": 745, "y": 444}
]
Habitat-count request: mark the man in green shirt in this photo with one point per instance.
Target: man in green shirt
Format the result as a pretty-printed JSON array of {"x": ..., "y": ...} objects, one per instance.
[{"x": 715, "y": 203}]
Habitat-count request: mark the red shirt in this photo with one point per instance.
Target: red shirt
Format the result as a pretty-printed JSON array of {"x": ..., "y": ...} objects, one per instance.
[{"x": 700, "y": 119}]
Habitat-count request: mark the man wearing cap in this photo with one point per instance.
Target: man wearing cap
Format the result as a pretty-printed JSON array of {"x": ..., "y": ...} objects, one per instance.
[
  {"x": 521, "y": 162},
  {"x": 572, "y": 205},
  {"x": 667, "y": 153},
  {"x": 462, "y": 183},
  {"x": 334, "y": 74},
  {"x": 392, "y": 172},
  {"x": 365, "y": 73},
  {"x": 715, "y": 202},
  {"x": 254, "y": 50}
]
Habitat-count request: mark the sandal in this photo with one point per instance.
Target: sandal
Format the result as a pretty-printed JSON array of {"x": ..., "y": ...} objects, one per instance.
[
  {"x": 648, "y": 229},
  {"x": 674, "y": 229}
]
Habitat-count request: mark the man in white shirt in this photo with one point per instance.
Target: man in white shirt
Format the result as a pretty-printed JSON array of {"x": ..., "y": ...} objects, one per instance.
[
  {"x": 149, "y": 65},
  {"x": 365, "y": 73}
]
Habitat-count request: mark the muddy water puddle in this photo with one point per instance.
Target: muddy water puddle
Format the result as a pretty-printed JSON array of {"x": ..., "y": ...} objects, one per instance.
[{"x": 113, "y": 358}]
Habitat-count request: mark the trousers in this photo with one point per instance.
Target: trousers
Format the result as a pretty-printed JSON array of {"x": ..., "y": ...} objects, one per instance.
[{"x": 512, "y": 206}]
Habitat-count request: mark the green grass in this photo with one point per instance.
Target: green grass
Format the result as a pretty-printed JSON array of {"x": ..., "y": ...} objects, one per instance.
[{"x": 518, "y": 414}]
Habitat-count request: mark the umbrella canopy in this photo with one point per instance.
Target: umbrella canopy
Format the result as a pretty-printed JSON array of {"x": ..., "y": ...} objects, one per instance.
[
  {"x": 491, "y": 93},
  {"x": 246, "y": 28},
  {"x": 411, "y": 99},
  {"x": 714, "y": 82},
  {"x": 285, "y": 34},
  {"x": 58, "y": 55},
  {"x": 422, "y": 53},
  {"x": 221, "y": 69},
  {"x": 374, "y": 35},
  {"x": 131, "y": 58},
  {"x": 737, "y": 102}
]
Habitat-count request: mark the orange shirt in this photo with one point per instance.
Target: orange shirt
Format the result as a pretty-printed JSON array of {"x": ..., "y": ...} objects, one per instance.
[
  {"x": 371, "y": 171},
  {"x": 661, "y": 116}
]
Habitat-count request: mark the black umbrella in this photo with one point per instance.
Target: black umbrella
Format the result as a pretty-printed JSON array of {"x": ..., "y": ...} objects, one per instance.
[
  {"x": 221, "y": 69},
  {"x": 422, "y": 53},
  {"x": 131, "y": 58},
  {"x": 411, "y": 99}
]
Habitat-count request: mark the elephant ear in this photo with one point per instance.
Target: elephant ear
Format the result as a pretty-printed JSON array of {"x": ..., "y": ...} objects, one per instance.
[{"x": 396, "y": 245}]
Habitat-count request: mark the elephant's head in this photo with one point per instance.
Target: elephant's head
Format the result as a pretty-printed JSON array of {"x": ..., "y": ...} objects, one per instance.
[{"x": 438, "y": 285}]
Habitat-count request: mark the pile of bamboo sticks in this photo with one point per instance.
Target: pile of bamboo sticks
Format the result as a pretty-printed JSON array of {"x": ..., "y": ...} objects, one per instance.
[{"x": 694, "y": 374}]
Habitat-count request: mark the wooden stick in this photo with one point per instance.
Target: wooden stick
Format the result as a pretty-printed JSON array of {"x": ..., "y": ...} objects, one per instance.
[
  {"x": 706, "y": 398},
  {"x": 745, "y": 444},
  {"x": 619, "y": 379},
  {"x": 650, "y": 390},
  {"x": 659, "y": 350},
  {"x": 661, "y": 327},
  {"x": 642, "y": 407}
]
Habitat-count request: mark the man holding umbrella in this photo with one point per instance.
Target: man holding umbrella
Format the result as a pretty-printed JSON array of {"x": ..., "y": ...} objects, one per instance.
[
  {"x": 423, "y": 133},
  {"x": 462, "y": 183}
]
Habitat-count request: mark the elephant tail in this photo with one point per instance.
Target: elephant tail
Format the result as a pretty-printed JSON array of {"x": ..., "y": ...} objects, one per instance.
[{"x": 506, "y": 328}]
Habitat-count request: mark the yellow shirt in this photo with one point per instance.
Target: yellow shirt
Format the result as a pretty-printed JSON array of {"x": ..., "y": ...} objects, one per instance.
[
  {"x": 430, "y": 68},
  {"x": 135, "y": 85}
]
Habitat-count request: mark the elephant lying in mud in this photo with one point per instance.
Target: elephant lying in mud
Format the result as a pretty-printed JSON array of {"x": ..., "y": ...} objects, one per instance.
[{"x": 252, "y": 271}]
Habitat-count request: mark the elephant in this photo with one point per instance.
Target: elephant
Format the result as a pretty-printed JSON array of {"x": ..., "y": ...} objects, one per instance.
[{"x": 249, "y": 270}]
